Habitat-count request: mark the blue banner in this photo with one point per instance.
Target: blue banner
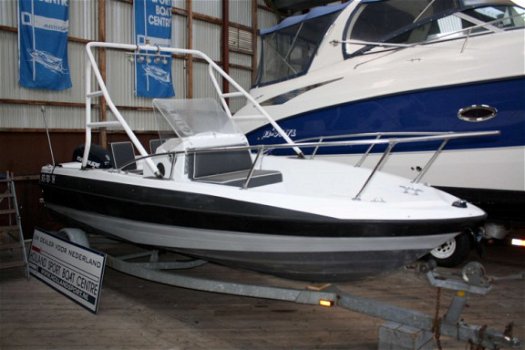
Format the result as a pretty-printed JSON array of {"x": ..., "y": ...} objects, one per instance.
[
  {"x": 152, "y": 19},
  {"x": 42, "y": 44}
]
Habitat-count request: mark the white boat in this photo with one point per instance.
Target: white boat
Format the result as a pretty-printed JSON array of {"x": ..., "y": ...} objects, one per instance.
[
  {"x": 398, "y": 66},
  {"x": 206, "y": 192}
]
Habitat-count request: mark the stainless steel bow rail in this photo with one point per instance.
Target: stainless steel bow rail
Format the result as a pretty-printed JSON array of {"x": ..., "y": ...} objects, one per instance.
[
  {"x": 451, "y": 324},
  {"x": 400, "y": 138},
  {"x": 396, "y": 138}
]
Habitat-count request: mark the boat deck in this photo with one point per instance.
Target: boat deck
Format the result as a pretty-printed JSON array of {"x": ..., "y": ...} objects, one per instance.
[{"x": 138, "y": 314}]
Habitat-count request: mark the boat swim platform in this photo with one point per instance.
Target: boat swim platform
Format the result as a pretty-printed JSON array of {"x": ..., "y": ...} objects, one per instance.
[{"x": 139, "y": 314}]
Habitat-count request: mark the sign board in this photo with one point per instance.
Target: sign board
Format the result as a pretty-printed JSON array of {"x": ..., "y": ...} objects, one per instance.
[{"x": 71, "y": 269}]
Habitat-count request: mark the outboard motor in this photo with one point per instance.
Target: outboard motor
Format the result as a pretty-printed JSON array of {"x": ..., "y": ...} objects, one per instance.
[{"x": 98, "y": 156}]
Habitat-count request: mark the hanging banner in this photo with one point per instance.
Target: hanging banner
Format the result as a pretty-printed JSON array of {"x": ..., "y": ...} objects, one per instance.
[
  {"x": 42, "y": 44},
  {"x": 152, "y": 21}
]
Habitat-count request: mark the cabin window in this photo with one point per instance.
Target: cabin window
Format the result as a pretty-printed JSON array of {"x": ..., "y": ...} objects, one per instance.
[
  {"x": 376, "y": 21},
  {"x": 288, "y": 52},
  {"x": 410, "y": 22},
  {"x": 468, "y": 22}
]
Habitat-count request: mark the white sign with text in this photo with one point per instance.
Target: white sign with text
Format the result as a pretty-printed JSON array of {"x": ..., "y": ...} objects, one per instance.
[{"x": 73, "y": 270}]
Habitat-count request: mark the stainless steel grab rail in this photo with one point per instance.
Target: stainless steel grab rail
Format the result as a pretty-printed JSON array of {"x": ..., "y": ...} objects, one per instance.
[{"x": 445, "y": 137}]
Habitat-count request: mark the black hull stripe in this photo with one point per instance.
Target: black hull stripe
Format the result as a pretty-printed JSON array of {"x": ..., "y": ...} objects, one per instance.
[{"x": 211, "y": 212}]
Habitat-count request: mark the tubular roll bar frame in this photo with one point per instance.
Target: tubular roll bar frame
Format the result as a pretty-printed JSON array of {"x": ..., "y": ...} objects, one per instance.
[{"x": 92, "y": 67}]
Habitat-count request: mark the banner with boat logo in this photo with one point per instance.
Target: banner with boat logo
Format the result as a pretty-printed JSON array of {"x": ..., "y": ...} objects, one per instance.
[
  {"x": 42, "y": 43},
  {"x": 152, "y": 21}
]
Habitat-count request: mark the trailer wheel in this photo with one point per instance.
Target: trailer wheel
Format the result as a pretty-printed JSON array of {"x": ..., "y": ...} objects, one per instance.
[{"x": 453, "y": 252}]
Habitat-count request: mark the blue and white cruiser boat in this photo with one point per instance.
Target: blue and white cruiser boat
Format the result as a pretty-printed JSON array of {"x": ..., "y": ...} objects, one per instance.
[{"x": 403, "y": 66}]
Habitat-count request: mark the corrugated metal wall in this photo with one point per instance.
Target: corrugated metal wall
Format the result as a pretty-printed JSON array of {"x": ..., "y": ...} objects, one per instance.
[
  {"x": 83, "y": 19},
  {"x": 212, "y": 8},
  {"x": 265, "y": 19},
  {"x": 244, "y": 78},
  {"x": 240, "y": 59},
  {"x": 30, "y": 117},
  {"x": 179, "y": 31},
  {"x": 203, "y": 87},
  {"x": 15, "y": 113},
  {"x": 8, "y": 13},
  {"x": 181, "y": 4},
  {"x": 241, "y": 12},
  {"x": 119, "y": 22},
  {"x": 207, "y": 38}
]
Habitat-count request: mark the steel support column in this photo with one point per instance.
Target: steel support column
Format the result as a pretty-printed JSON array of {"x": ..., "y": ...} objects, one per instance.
[
  {"x": 102, "y": 111},
  {"x": 225, "y": 47}
]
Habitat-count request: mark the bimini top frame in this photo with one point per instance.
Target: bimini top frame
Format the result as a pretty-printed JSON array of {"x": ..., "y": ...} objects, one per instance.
[{"x": 92, "y": 67}]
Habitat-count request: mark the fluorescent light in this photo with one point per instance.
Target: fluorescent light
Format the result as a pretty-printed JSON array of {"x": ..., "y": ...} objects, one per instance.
[{"x": 518, "y": 242}]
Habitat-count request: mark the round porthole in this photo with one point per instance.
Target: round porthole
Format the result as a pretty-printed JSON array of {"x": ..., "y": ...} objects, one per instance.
[{"x": 477, "y": 113}]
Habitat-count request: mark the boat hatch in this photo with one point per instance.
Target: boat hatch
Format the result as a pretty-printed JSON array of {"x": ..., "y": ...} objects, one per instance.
[{"x": 406, "y": 22}]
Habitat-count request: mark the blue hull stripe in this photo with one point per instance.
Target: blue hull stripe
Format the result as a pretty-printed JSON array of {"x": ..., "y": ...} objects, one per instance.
[{"x": 425, "y": 110}]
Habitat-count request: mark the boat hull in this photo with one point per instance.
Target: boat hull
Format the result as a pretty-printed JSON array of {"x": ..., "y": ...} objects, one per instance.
[
  {"x": 263, "y": 238},
  {"x": 312, "y": 258},
  {"x": 491, "y": 178},
  {"x": 491, "y": 164}
]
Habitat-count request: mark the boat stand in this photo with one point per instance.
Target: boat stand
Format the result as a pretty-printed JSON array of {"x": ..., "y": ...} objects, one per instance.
[{"x": 402, "y": 326}]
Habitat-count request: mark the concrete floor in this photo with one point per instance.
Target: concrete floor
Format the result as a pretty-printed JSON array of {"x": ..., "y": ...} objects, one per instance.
[{"x": 138, "y": 314}]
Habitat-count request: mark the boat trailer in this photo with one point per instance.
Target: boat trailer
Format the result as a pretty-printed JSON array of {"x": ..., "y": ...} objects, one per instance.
[{"x": 403, "y": 325}]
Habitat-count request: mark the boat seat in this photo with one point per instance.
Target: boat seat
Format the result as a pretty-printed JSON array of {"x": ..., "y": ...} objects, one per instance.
[
  {"x": 123, "y": 153},
  {"x": 238, "y": 178},
  {"x": 230, "y": 168},
  {"x": 154, "y": 144}
]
